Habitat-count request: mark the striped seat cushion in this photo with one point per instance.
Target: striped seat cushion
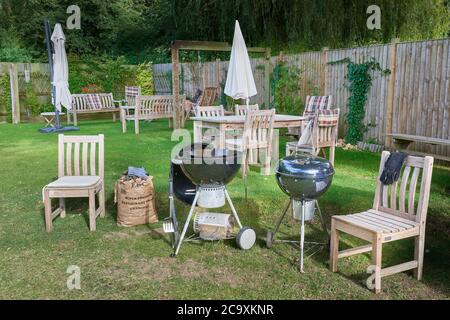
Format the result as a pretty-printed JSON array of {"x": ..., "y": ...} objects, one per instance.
[
  {"x": 93, "y": 101},
  {"x": 328, "y": 118},
  {"x": 132, "y": 91},
  {"x": 315, "y": 103}
]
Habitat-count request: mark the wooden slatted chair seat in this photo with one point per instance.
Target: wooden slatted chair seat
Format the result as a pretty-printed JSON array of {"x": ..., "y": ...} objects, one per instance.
[
  {"x": 74, "y": 182},
  {"x": 378, "y": 221}
]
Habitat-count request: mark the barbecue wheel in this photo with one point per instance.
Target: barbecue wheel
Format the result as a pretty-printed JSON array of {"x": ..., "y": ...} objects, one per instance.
[
  {"x": 269, "y": 239},
  {"x": 246, "y": 238}
]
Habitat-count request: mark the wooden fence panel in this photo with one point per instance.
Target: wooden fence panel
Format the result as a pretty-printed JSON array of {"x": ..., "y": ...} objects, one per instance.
[{"x": 422, "y": 84}]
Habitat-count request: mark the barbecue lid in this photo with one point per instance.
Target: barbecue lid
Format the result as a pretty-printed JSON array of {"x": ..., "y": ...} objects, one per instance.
[
  {"x": 203, "y": 153},
  {"x": 305, "y": 166}
]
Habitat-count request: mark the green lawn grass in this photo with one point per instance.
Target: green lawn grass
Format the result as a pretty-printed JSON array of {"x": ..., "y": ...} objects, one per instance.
[{"x": 134, "y": 263}]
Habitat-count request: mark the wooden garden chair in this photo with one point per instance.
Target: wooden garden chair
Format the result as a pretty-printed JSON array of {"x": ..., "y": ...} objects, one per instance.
[
  {"x": 394, "y": 216},
  {"x": 324, "y": 133},
  {"x": 209, "y": 111},
  {"x": 207, "y": 98},
  {"x": 241, "y": 110},
  {"x": 257, "y": 135},
  {"x": 131, "y": 93},
  {"x": 313, "y": 105},
  {"x": 79, "y": 175}
]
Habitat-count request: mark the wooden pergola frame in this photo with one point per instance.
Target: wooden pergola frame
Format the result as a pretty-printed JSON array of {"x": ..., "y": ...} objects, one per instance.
[{"x": 178, "y": 45}]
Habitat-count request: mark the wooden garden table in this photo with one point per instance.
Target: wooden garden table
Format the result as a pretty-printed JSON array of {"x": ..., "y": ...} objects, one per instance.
[{"x": 228, "y": 123}]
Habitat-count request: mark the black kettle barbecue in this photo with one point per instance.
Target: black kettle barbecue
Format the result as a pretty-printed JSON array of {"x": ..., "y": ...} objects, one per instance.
[
  {"x": 199, "y": 174},
  {"x": 304, "y": 178}
]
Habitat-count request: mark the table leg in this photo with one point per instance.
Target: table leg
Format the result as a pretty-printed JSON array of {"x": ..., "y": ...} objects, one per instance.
[
  {"x": 274, "y": 153},
  {"x": 222, "y": 133},
  {"x": 198, "y": 134}
]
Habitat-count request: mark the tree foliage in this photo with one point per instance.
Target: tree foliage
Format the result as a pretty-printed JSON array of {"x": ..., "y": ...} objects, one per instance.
[{"x": 142, "y": 30}]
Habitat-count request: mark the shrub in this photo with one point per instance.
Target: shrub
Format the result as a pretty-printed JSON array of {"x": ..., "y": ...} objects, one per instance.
[{"x": 144, "y": 78}]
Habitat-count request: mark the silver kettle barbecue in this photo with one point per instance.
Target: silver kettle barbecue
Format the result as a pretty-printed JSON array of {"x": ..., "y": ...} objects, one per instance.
[{"x": 304, "y": 178}]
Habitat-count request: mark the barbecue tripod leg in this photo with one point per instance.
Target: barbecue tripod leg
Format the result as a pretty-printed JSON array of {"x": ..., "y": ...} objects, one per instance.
[
  {"x": 186, "y": 224},
  {"x": 232, "y": 208},
  {"x": 322, "y": 218},
  {"x": 280, "y": 219},
  {"x": 302, "y": 236},
  {"x": 173, "y": 218}
]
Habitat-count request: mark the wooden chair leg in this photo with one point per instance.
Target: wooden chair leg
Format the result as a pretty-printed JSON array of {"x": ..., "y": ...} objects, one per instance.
[
  {"x": 419, "y": 250},
  {"x": 376, "y": 260},
  {"x": 101, "y": 200},
  {"x": 48, "y": 212},
  {"x": 332, "y": 150},
  {"x": 62, "y": 205},
  {"x": 92, "y": 225},
  {"x": 334, "y": 247},
  {"x": 75, "y": 119},
  {"x": 136, "y": 126},
  {"x": 114, "y": 116},
  {"x": 123, "y": 120},
  {"x": 267, "y": 160}
]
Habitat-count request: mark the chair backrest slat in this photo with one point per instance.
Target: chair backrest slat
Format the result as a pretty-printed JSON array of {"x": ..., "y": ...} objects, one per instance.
[
  {"x": 84, "y": 158},
  {"x": 90, "y": 158},
  {"x": 402, "y": 191},
  {"x": 412, "y": 189},
  {"x": 387, "y": 196},
  {"x": 209, "y": 111},
  {"x": 76, "y": 159},
  {"x": 241, "y": 110},
  {"x": 69, "y": 159}
]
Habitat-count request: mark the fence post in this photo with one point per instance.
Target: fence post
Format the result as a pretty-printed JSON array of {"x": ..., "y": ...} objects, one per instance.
[
  {"x": 217, "y": 67},
  {"x": 14, "y": 84},
  {"x": 391, "y": 93},
  {"x": 267, "y": 78},
  {"x": 324, "y": 70},
  {"x": 176, "y": 89}
]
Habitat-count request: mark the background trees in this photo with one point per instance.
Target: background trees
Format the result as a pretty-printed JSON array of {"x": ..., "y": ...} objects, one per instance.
[{"x": 142, "y": 29}]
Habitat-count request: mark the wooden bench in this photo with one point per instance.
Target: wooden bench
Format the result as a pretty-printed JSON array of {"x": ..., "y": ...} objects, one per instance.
[
  {"x": 149, "y": 108},
  {"x": 402, "y": 142},
  {"x": 83, "y": 104}
]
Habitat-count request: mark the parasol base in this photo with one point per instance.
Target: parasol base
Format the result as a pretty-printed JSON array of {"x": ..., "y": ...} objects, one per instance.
[{"x": 57, "y": 130}]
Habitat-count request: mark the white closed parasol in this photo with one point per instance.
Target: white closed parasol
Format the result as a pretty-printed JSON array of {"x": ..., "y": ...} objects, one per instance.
[
  {"x": 240, "y": 82},
  {"x": 60, "y": 70}
]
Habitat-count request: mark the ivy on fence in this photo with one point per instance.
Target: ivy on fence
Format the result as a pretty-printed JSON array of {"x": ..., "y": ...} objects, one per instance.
[
  {"x": 5, "y": 96},
  {"x": 360, "y": 79}
]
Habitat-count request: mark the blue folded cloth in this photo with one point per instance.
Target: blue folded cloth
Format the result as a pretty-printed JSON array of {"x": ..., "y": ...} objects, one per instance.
[{"x": 134, "y": 172}]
